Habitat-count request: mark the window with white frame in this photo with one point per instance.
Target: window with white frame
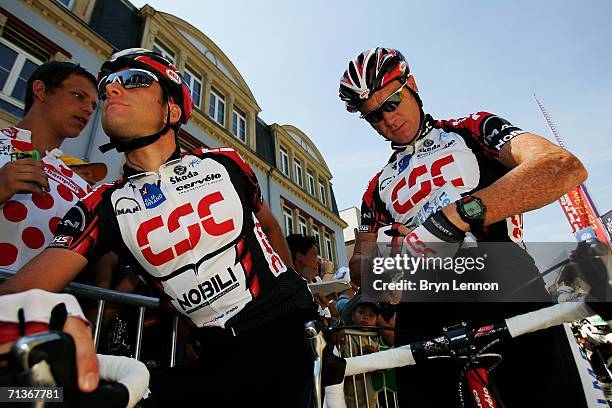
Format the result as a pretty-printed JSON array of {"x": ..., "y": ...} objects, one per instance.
[
  {"x": 317, "y": 237},
  {"x": 217, "y": 107},
  {"x": 303, "y": 227},
  {"x": 288, "y": 221},
  {"x": 239, "y": 125},
  {"x": 323, "y": 192},
  {"x": 195, "y": 84},
  {"x": 165, "y": 52},
  {"x": 297, "y": 165},
  {"x": 311, "y": 182},
  {"x": 329, "y": 248},
  {"x": 16, "y": 67},
  {"x": 284, "y": 161}
]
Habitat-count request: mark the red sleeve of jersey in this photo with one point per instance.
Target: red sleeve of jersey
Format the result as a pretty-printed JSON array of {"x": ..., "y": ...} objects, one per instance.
[
  {"x": 79, "y": 230},
  {"x": 256, "y": 199},
  {"x": 490, "y": 131},
  {"x": 373, "y": 213}
]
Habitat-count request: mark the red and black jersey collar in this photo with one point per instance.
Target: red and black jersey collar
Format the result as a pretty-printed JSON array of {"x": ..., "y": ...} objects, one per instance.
[{"x": 129, "y": 171}]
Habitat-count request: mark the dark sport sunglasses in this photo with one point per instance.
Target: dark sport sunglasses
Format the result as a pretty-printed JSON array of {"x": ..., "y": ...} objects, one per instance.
[
  {"x": 389, "y": 105},
  {"x": 128, "y": 78}
]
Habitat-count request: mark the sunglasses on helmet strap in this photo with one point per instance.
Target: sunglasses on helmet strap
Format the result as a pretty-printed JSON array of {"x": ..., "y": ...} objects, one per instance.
[
  {"x": 128, "y": 78},
  {"x": 390, "y": 104}
]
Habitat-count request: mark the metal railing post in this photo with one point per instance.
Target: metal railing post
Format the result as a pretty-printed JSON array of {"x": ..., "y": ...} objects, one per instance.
[
  {"x": 139, "y": 330},
  {"x": 99, "y": 320},
  {"x": 174, "y": 339}
]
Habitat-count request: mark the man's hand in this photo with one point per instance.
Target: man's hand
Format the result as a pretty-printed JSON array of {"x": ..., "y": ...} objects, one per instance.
[
  {"x": 23, "y": 175},
  {"x": 322, "y": 300},
  {"x": 86, "y": 359},
  {"x": 390, "y": 237}
]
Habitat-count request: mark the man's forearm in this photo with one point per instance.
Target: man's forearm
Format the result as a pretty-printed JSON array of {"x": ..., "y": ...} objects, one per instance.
[
  {"x": 531, "y": 185},
  {"x": 51, "y": 270}
]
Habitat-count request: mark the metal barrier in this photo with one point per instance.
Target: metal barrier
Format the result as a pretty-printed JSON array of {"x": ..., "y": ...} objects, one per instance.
[
  {"x": 102, "y": 296},
  {"x": 355, "y": 340}
]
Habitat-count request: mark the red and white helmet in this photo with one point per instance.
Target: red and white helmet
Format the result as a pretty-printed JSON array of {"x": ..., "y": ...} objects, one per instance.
[
  {"x": 169, "y": 76},
  {"x": 370, "y": 71}
]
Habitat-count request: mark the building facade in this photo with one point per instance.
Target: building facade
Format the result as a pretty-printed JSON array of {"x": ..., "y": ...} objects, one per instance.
[{"x": 294, "y": 177}]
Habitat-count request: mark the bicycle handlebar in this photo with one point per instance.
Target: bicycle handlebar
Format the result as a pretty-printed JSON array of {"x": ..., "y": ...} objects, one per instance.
[{"x": 459, "y": 341}]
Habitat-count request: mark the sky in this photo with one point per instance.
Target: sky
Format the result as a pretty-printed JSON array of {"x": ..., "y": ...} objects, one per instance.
[{"x": 466, "y": 56}]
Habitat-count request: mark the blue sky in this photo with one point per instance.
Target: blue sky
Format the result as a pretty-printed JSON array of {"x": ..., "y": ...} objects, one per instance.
[{"x": 466, "y": 56}]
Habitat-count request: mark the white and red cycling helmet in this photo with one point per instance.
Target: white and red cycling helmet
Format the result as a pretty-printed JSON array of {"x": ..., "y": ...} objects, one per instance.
[
  {"x": 169, "y": 78},
  {"x": 370, "y": 71}
]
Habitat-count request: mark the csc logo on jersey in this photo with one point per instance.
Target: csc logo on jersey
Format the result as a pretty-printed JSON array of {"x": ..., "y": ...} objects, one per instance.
[
  {"x": 207, "y": 222},
  {"x": 427, "y": 177}
]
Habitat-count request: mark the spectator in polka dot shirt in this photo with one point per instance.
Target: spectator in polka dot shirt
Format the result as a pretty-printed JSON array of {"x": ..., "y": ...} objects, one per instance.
[{"x": 35, "y": 195}]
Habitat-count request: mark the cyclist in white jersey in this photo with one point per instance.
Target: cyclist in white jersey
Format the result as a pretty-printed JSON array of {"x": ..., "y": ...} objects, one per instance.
[
  {"x": 497, "y": 171},
  {"x": 205, "y": 240}
]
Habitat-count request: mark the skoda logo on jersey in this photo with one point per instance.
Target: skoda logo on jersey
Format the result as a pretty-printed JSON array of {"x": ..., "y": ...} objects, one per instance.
[
  {"x": 428, "y": 142},
  {"x": 151, "y": 195},
  {"x": 180, "y": 170},
  {"x": 183, "y": 176}
]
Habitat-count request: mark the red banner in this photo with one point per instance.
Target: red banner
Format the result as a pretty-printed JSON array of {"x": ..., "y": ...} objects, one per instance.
[{"x": 580, "y": 213}]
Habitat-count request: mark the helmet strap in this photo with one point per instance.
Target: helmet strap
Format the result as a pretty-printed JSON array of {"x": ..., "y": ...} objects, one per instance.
[{"x": 133, "y": 143}]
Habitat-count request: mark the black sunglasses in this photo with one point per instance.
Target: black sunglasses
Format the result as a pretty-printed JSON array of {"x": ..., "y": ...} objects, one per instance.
[
  {"x": 128, "y": 78},
  {"x": 388, "y": 105}
]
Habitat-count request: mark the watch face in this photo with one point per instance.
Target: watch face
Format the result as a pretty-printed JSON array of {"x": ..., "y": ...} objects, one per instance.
[{"x": 472, "y": 208}]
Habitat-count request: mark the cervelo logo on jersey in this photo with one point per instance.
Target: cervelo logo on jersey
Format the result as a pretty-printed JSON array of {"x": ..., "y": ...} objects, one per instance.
[
  {"x": 151, "y": 195},
  {"x": 427, "y": 176},
  {"x": 277, "y": 265},
  {"x": 208, "y": 179},
  {"x": 126, "y": 205},
  {"x": 207, "y": 292},
  {"x": 207, "y": 221}
]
